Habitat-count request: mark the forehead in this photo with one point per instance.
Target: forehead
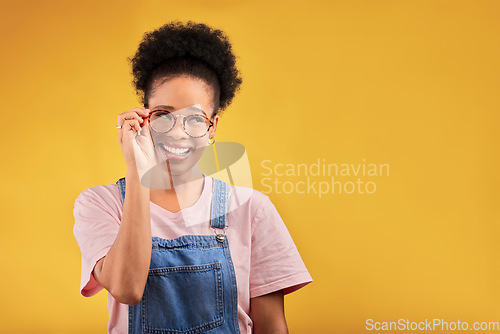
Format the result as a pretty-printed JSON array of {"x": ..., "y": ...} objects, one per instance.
[
  {"x": 196, "y": 108},
  {"x": 181, "y": 92}
]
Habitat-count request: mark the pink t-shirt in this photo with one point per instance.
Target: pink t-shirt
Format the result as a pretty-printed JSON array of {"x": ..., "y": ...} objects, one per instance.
[{"x": 264, "y": 255}]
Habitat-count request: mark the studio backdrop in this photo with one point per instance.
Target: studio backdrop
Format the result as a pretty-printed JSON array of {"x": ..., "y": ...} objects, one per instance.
[{"x": 373, "y": 126}]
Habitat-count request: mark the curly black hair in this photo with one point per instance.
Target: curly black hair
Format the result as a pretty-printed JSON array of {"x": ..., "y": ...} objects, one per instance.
[{"x": 192, "y": 49}]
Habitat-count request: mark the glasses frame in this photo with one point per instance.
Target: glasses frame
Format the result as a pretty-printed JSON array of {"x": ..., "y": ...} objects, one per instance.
[{"x": 175, "y": 122}]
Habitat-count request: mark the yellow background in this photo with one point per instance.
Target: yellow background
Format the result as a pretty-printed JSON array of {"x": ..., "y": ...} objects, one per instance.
[{"x": 413, "y": 84}]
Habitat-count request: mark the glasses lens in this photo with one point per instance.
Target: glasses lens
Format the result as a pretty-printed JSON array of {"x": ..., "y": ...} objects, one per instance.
[
  {"x": 162, "y": 121},
  {"x": 196, "y": 125}
]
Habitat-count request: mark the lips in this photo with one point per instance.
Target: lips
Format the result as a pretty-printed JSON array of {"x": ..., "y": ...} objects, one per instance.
[
  {"x": 175, "y": 153},
  {"x": 175, "y": 149}
]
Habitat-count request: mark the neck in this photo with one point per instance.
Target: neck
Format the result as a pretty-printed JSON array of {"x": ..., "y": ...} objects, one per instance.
[
  {"x": 163, "y": 181},
  {"x": 178, "y": 191}
]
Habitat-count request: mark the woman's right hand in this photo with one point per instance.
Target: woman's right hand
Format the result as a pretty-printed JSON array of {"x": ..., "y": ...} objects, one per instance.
[{"x": 138, "y": 150}]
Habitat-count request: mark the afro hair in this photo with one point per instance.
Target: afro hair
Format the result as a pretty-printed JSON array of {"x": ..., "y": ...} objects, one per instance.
[{"x": 192, "y": 49}]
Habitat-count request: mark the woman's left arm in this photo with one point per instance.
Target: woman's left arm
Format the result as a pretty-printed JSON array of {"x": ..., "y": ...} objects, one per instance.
[{"x": 268, "y": 314}]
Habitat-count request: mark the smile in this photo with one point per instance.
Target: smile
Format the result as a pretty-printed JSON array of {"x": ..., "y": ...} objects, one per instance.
[{"x": 173, "y": 150}]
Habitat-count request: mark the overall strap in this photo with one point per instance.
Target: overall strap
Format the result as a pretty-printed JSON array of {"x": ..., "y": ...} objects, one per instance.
[
  {"x": 220, "y": 196},
  {"x": 121, "y": 185}
]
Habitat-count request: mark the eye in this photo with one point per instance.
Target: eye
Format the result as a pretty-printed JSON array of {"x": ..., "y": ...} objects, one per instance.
[
  {"x": 163, "y": 115},
  {"x": 197, "y": 119}
]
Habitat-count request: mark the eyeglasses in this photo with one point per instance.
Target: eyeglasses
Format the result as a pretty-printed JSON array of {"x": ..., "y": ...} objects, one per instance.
[{"x": 195, "y": 125}]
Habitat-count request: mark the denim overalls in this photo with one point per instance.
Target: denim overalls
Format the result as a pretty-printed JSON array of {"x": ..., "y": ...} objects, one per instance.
[{"x": 191, "y": 286}]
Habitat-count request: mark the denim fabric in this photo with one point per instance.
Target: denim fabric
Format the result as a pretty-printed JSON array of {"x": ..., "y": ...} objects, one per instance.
[{"x": 191, "y": 286}]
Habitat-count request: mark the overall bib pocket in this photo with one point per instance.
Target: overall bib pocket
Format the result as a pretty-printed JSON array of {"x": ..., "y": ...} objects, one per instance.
[{"x": 183, "y": 299}]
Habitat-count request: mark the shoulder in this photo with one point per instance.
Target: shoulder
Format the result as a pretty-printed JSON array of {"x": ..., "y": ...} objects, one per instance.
[
  {"x": 106, "y": 196},
  {"x": 97, "y": 211},
  {"x": 249, "y": 201}
]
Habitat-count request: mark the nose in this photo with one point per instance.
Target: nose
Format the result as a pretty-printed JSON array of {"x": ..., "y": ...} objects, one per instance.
[{"x": 177, "y": 132}]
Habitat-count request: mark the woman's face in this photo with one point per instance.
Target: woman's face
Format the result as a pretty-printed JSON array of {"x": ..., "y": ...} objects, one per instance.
[{"x": 181, "y": 96}]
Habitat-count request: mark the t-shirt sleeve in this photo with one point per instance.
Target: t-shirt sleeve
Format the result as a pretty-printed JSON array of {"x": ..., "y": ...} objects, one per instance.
[
  {"x": 275, "y": 261},
  {"x": 96, "y": 226}
]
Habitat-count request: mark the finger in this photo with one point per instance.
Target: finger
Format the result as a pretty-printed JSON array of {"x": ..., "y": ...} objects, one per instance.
[
  {"x": 130, "y": 128},
  {"x": 128, "y": 116},
  {"x": 145, "y": 128},
  {"x": 136, "y": 113}
]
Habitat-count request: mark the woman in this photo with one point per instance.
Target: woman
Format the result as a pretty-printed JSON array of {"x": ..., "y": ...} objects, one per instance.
[{"x": 179, "y": 251}]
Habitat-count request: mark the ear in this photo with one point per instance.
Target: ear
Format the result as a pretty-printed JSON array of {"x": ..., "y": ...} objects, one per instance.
[{"x": 213, "y": 129}]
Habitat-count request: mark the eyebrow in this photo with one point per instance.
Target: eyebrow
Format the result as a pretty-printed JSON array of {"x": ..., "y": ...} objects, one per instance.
[{"x": 170, "y": 108}]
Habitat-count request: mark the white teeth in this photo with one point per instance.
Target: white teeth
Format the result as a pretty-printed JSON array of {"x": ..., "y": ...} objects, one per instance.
[{"x": 178, "y": 151}]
